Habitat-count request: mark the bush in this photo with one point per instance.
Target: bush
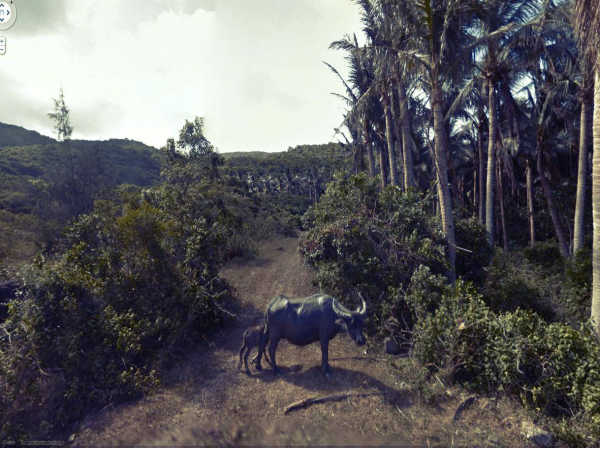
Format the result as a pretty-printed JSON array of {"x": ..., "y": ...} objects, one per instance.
[
  {"x": 577, "y": 289},
  {"x": 95, "y": 326},
  {"x": 512, "y": 283},
  {"x": 370, "y": 241},
  {"x": 545, "y": 254},
  {"x": 552, "y": 367},
  {"x": 475, "y": 252}
]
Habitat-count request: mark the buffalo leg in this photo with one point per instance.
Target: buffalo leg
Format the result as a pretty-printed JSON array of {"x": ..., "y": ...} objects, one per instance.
[
  {"x": 248, "y": 350},
  {"x": 262, "y": 343},
  {"x": 272, "y": 350},
  {"x": 241, "y": 352},
  {"x": 325, "y": 357},
  {"x": 255, "y": 359}
]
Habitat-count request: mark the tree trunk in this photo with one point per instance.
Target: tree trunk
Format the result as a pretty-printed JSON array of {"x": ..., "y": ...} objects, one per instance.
[
  {"x": 441, "y": 163},
  {"x": 475, "y": 177},
  {"x": 368, "y": 148},
  {"x": 409, "y": 171},
  {"x": 501, "y": 201},
  {"x": 383, "y": 169},
  {"x": 562, "y": 242},
  {"x": 389, "y": 136},
  {"x": 529, "y": 188},
  {"x": 581, "y": 174},
  {"x": 491, "y": 169},
  {"x": 396, "y": 127},
  {"x": 595, "y": 316},
  {"x": 481, "y": 178}
]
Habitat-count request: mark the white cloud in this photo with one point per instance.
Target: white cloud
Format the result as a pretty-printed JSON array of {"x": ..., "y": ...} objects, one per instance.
[{"x": 139, "y": 68}]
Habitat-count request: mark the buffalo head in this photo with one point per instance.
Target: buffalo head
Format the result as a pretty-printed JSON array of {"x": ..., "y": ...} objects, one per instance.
[{"x": 353, "y": 320}]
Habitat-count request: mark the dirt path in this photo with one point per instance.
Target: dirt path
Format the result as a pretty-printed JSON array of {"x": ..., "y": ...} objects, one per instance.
[{"x": 208, "y": 402}]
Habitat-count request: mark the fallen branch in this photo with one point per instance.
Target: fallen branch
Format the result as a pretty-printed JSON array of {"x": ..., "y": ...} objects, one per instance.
[
  {"x": 328, "y": 398},
  {"x": 223, "y": 310},
  {"x": 462, "y": 407},
  {"x": 363, "y": 358}
]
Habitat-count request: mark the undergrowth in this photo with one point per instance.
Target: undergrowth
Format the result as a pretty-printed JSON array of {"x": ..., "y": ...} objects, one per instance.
[{"x": 514, "y": 323}]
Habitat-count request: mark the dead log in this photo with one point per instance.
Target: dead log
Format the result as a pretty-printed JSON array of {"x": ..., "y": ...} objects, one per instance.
[
  {"x": 328, "y": 398},
  {"x": 462, "y": 407}
]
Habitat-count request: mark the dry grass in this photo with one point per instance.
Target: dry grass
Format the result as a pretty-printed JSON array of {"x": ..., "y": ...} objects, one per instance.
[{"x": 208, "y": 402}]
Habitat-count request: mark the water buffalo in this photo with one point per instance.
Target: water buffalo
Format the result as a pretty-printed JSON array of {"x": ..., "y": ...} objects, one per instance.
[
  {"x": 305, "y": 320},
  {"x": 250, "y": 339}
]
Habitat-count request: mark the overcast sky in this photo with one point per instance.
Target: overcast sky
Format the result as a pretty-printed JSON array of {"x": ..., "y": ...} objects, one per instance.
[{"x": 139, "y": 68}]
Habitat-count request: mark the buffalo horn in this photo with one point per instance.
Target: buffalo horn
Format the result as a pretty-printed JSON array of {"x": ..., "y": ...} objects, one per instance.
[
  {"x": 340, "y": 310},
  {"x": 362, "y": 310}
]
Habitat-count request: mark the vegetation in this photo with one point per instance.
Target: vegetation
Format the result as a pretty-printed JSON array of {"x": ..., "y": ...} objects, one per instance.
[
  {"x": 505, "y": 76},
  {"x": 131, "y": 276},
  {"x": 514, "y": 326},
  {"x": 456, "y": 206}
]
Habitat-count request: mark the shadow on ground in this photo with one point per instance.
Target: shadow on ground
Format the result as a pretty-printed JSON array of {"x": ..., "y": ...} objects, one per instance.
[{"x": 341, "y": 380}]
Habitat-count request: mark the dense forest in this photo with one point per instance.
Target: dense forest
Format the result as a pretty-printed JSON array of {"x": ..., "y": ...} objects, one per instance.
[{"x": 462, "y": 202}]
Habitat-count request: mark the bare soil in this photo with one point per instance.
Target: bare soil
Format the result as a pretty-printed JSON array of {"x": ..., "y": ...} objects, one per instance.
[{"x": 206, "y": 401}]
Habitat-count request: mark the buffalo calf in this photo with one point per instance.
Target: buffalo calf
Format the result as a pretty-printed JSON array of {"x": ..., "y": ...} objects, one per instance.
[{"x": 252, "y": 338}]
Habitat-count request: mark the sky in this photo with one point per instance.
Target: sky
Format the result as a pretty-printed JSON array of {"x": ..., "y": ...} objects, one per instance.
[{"x": 138, "y": 69}]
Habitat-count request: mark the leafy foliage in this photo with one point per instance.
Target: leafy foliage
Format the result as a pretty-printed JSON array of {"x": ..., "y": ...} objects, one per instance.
[
  {"x": 133, "y": 285},
  {"x": 134, "y": 281},
  {"x": 552, "y": 367},
  {"x": 370, "y": 241},
  {"x": 62, "y": 122}
]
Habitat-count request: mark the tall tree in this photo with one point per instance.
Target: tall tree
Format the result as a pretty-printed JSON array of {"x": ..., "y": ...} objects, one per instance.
[
  {"x": 588, "y": 27},
  {"x": 586, "y": 100},
  {"x": 550, "y": 53},
  {"x": 499, "y": 24},
  {"x": 62, "y": 122},
  {"x": 439, "y": 34},
  {"x": 198, "y": 148}
]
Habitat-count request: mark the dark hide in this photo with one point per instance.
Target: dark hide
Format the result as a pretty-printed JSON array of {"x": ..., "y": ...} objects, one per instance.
[
  {"x": 302, "y": 321},
  {"x": 250, "y": 339}
]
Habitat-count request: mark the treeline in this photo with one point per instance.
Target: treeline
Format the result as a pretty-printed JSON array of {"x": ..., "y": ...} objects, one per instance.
[
  {"x": 45, "y": 183},
  {"x": 44, "y": 186},
  {"x": 467, "y": 224},
  {"x": 478, "y": 98},
  {"x": 302, "y": 171}
]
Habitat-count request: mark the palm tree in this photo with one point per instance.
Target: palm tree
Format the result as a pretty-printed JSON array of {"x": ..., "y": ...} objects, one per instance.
[
  {"x": 588, "y": 27},
  {"x": 364, "y": 108},
  {"x": 499, "y": 24},
  {"x": 438, "y": 34},
  {"x": 436, "y": 29},
  {"x": 585, "y": 93},
  {"x": 552, "y": 71}
]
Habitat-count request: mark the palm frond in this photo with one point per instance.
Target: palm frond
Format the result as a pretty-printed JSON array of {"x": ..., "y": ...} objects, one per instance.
[{"x": 348, "y": 88}]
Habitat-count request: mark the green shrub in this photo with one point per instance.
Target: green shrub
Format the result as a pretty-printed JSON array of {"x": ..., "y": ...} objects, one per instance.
[
  {"x": 132, "y": 287},
  {"x": 511, "y": 283},
  {"x": 552, "y": 367},
  {"x": 545, "y": 254},
  {"x": 576, "y": 292},
  {"x": 474, "y": 252},
  {"x": 361, "y": 239}
]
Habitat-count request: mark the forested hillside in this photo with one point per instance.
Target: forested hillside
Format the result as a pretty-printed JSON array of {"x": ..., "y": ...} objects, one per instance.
[
  {"x": 45, "y": 183},
  {"x": 12, "y": 135}
]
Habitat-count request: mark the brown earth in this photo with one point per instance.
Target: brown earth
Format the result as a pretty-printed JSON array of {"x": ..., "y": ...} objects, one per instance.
[{"x": 206, "y": 401}]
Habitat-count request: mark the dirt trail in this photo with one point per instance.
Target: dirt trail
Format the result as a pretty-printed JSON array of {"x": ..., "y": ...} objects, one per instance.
[{"x": 208, "y": 402}]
